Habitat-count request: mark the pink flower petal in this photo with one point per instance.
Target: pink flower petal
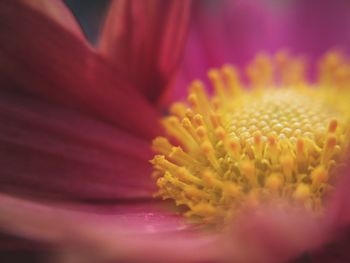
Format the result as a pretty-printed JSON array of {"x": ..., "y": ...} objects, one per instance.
[
  {"x": 52, "y": 151},
  {"x": 135, "y": 232},
  {"x": 313, "y": 29},
  {"x": 225, "y": 32},
  {"x": 339, "y": 205},
  {"x": 146, "y": 233},
  {"x": 234, "y": 31},
  {"x": 129, "y": 217},
  {"x": 40, "y": 57},
  {"x": 145, "y": 39},
  {"x": 58, "y": 11},
  {"x": 273, "y": 235}
]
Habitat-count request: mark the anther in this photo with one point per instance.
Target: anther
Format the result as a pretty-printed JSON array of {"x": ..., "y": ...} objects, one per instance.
[
  {"x": 208, "y": 151},
  {"x": 231, "y": 76},
  {"x": 161, "y": 162},
  {"x": 162, "y": 145},
  {"x": 220, "y": 133},
  {"x": 197, "y": 86},
  {"x": 319, "y": 175},
  {"x": 178, "y": 109},
  {"x": 201, "y": 132},
  {"x": 328, "y": 149},
  {"x": 332, "y": 126},
  {"x": 215, "y": 119},
  {"x": 180, "y": 157},
  {"x": 198, "y": 120},
  {"x": 184, "y": 175},
  {"x": 302, "y": 192},
  {"x": 287, "y": 163},
  {"x": 214, "y": 76},
  {"x": 233, "y": 146},
  {"x": 274, "y": 182},
  {"x": 248, "y": 170},
  {"x": 193, "y": 100},
  {"x": 210, "y": 179}
]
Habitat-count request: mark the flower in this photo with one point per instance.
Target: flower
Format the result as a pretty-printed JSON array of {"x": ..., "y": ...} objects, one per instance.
[
  {"x": 281, "y": 139},
  {"x": 138, "y": 229}
]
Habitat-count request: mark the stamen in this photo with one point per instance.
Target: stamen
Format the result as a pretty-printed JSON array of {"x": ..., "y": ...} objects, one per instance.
[{"x": 244, "y": 147}]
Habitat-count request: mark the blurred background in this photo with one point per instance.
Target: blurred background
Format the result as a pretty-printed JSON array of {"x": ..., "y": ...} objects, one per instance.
[{"x": 90, "y": 14}]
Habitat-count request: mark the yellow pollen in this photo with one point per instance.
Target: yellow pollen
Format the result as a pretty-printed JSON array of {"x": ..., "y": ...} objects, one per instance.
[{"x": 277, "y": 137}]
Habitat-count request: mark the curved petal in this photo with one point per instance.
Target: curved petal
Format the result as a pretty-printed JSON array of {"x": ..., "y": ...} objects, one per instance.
[
  {"x": 145, "y": 40},
  {"x": 272, "y": 234},
  {"x": 134, "y": 232},
  {"x": 339, "y": 205},
  {"x": 335, "y": 251},
  {"x": 58, "y": 11},
  {"x": 40, "y": 57},
  {"x": 38, "y": 219},
  {"x": 52, "y": 151},
  {"x": 145, "y": 233}
]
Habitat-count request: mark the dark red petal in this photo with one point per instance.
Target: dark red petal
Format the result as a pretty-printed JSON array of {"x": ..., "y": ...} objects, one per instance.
[
  {"x": 336, "y": 251},
  {"x": 10, "y": 243},
  {"x": 52, "y": 151},
  {"x": 39, "y": 56},
  {"x": 57, "y": 11},
  {"x": 145, "y": 39}
]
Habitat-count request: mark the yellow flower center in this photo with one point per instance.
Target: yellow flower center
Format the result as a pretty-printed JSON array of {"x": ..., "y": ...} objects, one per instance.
[{"x": 278, "y": 138}]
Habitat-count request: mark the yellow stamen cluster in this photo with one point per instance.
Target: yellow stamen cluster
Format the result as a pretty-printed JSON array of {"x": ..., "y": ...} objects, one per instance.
[{"x": 276, "y": 138}]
